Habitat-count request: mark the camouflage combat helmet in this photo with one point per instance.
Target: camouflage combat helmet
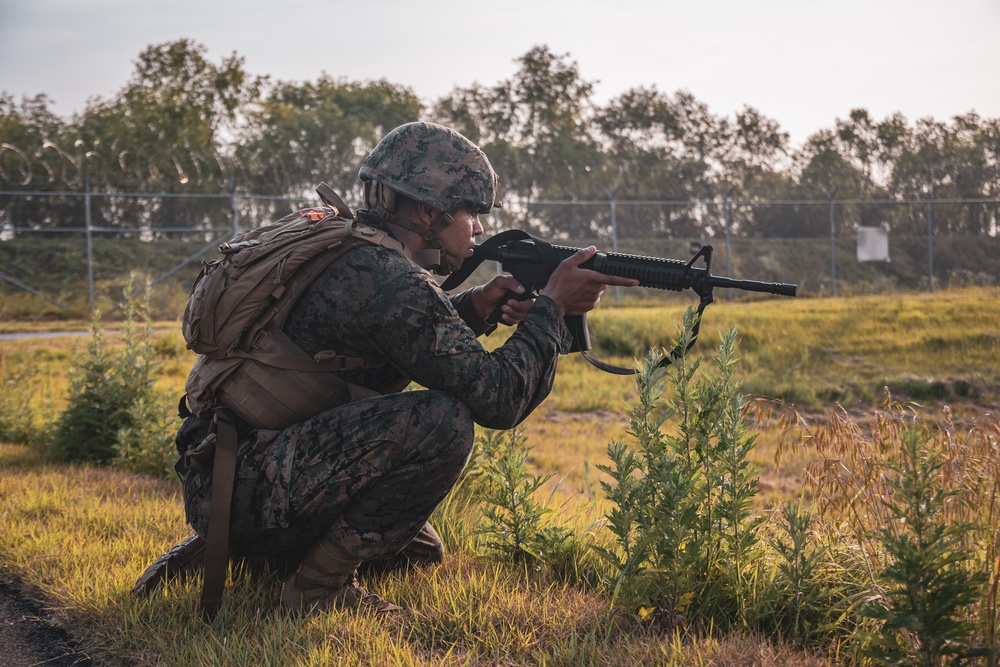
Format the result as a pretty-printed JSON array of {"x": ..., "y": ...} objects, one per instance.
[{"x": 433, "y": 165}]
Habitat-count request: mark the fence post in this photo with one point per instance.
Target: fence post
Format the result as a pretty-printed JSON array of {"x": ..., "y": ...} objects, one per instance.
[
  {"x": 614, "y": 242},
  {"x": 727, "y": 214},
  {"x": 90, "y": 245},
  {"x": 234, "y": 212},
  {"x": 833, "y": 251},
  {"x": 930, "y": 242}
]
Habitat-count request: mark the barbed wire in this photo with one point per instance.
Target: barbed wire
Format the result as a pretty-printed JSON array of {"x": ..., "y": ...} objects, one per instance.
[{"x": 52, "y": 164}]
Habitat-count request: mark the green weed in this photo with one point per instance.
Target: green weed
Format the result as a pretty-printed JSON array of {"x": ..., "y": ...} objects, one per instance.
[
  {"x": 686, "y": 538},
  {"x": 909, "y": 509},
  {"x": 805, "y": 601},
  {"x": 114, "y": 413},
  {"x": 514, "y": 527},
  {"x": 926, "y": 583}
]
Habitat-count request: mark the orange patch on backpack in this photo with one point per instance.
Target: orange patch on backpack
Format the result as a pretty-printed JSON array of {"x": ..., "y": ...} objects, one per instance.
[{"x": 314, "y": 215}]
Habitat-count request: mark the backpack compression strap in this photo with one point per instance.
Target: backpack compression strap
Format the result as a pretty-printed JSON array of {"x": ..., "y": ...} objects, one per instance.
[{"x": 220, "y": 506}]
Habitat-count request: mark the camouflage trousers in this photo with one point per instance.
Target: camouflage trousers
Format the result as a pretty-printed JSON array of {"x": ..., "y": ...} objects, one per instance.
[{"x": 366, "y": 475}]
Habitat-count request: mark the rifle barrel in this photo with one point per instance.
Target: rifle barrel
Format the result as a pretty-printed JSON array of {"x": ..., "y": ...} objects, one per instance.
[
  {"x": 782, "y": 289},
  {"x": 670, "y": 274}
]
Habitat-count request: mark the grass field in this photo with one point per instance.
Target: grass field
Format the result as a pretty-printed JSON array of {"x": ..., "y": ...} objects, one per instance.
[{"x": 79, "y": 535}]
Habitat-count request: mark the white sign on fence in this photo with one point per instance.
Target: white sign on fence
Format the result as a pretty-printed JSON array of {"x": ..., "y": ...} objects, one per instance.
[{"x": 873, "y": 244}]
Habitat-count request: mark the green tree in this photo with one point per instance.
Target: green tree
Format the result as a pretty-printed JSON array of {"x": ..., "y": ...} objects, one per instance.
[
  {"x": 677, "y": 149},
  {"x": 305, "y": 133},
  {"x": 823, "y": 173},
  {"x": 32, "y": 155},
  {"x": 30, "y": 135},
  {"x": 537, "y": 129},
  {"x": 168, "y": 126},
  {"x": 702, "y": 137},
  {"x": 549, "y": 106},
  {"x": 640, "y": 130},
  {"x": 166, "y": 130},
  {"x": 868, "y": 146},
  {"x": 956, "y": 160},
  {"x": 750, "y": 168},
  {"x": 854, "y": 160}
]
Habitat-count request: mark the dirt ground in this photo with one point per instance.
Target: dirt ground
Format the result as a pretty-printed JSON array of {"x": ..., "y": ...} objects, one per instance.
[{"x": 29, "y": 637}]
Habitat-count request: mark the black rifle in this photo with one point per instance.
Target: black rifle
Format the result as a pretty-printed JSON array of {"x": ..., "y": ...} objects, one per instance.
[{"x": 532, "y": 260}]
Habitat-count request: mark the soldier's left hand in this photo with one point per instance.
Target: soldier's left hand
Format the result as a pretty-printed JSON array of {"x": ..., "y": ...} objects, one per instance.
[{"x": 487, "y": 297}]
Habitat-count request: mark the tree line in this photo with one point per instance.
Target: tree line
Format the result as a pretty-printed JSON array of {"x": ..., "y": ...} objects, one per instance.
[{"x": 183, "y": 124}]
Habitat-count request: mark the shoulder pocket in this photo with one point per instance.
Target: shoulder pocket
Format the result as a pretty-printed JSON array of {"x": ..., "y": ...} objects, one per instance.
[{"x": 454, "y": 337}]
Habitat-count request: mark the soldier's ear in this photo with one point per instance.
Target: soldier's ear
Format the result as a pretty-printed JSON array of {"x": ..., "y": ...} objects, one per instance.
[{"x": 426, "y": 214}]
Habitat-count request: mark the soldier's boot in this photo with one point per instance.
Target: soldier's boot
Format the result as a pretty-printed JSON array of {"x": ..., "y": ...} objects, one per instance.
[
  {"x": 423, "y": 550},
  {"x": 327, "y": 579},
  {"x": 181, "y": 561}
]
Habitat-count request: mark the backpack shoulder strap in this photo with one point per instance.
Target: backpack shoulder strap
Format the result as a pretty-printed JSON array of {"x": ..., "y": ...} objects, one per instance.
[{"x": 310, "y": 270}]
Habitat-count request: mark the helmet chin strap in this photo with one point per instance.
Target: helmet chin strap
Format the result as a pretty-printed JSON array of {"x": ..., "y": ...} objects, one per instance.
[
  {"x": 437, "y": 261},
  {"x": 446, "y": 263},
  {"x": 434, "y": 257}
]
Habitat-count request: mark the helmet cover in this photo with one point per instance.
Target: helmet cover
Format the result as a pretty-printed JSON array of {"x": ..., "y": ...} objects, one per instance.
[{"x": 434, "y": 165}]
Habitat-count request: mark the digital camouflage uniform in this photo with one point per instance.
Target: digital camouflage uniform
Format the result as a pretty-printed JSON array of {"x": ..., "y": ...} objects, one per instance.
[{"x": 368, "y": 474}]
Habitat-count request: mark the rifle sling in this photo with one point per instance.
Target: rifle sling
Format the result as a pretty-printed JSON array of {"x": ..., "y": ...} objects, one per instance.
[
  {"x": 706, "y": 298},
  {"x": 223, "y": 483},
  {"x": 606, "y": 367}
]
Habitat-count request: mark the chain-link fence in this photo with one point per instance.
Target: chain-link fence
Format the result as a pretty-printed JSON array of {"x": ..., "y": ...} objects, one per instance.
[
  {"x": 826, "y": 246},
  {"x": 67, "y": 253}
]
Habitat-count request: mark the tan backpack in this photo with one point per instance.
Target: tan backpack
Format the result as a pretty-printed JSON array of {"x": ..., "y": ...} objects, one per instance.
[
  {"x": 239, "y": 303},
  {"x": 246, "y": 365}
]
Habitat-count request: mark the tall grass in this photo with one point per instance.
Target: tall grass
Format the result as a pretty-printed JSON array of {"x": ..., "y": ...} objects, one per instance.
[
  {"x": 26, "y": 403},
  {"x": 750, "y": 566},
  {"x": 941, "y": 346},
  {"x": 909, "y": 507},
  {"x": 79, "y": 535}
]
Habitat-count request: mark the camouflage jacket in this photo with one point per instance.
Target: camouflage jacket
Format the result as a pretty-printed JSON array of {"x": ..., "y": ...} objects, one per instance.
[{"x": 376, "y": 303}]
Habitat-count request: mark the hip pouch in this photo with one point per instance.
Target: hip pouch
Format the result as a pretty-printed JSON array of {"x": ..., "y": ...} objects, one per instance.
[{"x": 272, "y": 397}]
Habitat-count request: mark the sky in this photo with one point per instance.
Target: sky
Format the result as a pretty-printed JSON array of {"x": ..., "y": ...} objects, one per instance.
[{"x": 803, "y": 63}]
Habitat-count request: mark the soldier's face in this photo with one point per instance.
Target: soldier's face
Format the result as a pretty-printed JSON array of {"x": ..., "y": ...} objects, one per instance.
[{"x": 458, "y": 238}]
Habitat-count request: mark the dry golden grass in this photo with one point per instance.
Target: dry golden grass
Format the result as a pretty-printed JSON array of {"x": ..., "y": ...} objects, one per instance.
[{"x": 79, "y": 535}]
